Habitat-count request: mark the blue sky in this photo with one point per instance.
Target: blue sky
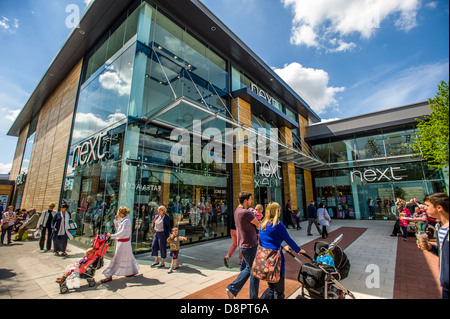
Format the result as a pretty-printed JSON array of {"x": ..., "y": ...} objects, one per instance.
[{"x": 344, "y": 57}]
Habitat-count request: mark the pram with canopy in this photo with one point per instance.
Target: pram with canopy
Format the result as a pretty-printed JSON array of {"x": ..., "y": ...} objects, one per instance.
[{"x": 321, "y": 277}]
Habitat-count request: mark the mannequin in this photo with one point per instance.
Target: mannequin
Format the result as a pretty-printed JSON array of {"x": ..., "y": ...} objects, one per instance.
[
  {"x": 87, "y": 226},
  {"x": 177, "y": 212},
  {"x": 109, "y": 217},
  {"x": 97, "y": 214}
]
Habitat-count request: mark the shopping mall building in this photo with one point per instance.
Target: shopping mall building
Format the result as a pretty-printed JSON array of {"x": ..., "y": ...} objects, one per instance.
[{"x": 139, "y": 79}]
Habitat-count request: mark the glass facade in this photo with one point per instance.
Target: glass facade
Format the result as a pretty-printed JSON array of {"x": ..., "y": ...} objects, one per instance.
[
  {"x": 120, "y": 153},
  {"x": 370, "y": 172}
]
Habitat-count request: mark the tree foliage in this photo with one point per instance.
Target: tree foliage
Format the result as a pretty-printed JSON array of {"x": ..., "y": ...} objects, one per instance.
[{"x": 433, "y": 131}]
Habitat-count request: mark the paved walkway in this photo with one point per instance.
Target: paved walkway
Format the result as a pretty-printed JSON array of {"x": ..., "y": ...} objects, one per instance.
[{"x": 28, "y": 273}]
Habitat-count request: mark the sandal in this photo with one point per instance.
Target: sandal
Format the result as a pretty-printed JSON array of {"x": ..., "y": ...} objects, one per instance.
[
  {"x": 154, "y": 264},
  {"x": 225, "y": 261},
  {"x": 64, "y": 254},
  {"x": 56, "y": 254},
  {"x": 161, "y": 266}
]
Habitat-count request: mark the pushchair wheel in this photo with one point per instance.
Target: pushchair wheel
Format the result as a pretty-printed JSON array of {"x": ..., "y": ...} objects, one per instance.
[
  {"x": 91, "y": 282},
  {"x": 63, "y": 288}
]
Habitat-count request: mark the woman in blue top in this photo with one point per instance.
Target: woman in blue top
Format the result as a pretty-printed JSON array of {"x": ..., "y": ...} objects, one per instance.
[{"x": 271, "y": 235}]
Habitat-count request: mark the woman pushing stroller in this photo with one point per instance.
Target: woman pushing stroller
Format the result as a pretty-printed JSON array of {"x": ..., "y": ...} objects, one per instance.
[
  {"x": 271, "y": 235},
  {"x": 123, "y": 262}
]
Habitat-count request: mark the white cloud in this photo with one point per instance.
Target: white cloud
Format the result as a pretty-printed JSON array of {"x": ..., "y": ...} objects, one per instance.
[
  {"x": 5, "y": 168},
  {"x": 10, "y": 115},
  {"x": 432, "y": 4},
  {"x": 92, "y": 123},
  {"x": 112, "y": 80},
  {"x": 8, "y": 25},
  {"x": 315, "y": 22},
  {"x": 311, "y": 84}
]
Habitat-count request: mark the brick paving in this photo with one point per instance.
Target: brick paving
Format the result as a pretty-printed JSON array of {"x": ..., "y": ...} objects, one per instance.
[
  {"x": 292, "y": 267},
  {"x": 416, "y": 273},
  {"x": 406, "y": 272}
]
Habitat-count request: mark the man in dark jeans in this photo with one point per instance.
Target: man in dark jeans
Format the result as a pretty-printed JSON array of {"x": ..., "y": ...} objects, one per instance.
[
  {"x": 247, "y": 241},
  {"x": 45, "y": 226},
  {"x": 312, "y": 218}
]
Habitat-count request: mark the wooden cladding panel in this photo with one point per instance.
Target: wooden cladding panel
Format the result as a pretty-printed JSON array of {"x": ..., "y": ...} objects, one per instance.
[{"x": 48, "y": 158}]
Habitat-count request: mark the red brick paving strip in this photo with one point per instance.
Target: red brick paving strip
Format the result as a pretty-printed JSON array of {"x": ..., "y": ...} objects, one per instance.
[
  {"x": 217, "y": 291},
  {"x": 416, "y": 272}
]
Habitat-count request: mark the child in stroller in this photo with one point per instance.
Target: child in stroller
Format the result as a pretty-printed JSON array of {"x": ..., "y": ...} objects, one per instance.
[
  {"x": 86, "y": 266},
  {"x": 320, "y": 277}
]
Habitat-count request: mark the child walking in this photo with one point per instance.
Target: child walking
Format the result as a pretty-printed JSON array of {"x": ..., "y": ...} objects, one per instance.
[{"x": 174, "y": 242}]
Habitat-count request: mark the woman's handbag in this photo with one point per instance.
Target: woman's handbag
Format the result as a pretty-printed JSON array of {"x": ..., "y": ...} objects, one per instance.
[
  {"x": 72, "y": 225},
  {"x": 267, "y": 265}
]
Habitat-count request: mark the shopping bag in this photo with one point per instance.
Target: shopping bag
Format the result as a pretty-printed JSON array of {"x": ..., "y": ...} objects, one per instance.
[{"x": 267, "y": 265}]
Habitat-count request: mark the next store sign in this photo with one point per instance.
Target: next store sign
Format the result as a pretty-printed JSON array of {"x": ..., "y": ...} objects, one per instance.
[{"x": 376, "y": 175}]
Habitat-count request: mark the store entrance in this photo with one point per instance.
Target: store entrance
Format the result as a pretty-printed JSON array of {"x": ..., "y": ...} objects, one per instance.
[{"x": 264, "y": 195}]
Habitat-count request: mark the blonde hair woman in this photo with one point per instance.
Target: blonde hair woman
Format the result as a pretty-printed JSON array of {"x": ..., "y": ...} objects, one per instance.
[
  {"x": 272, "y": 234},
  {"x": 163, "y": 230},
  {"x": 123, "y": 262}
]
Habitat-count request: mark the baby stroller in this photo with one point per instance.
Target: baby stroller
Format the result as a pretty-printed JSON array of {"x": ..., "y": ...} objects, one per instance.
[
  {"x": 320, "y": 277},
  {"x": 85, "y": 269}
]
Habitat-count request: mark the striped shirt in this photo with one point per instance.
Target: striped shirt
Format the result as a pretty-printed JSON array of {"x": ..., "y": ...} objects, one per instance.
[{"x": 442, "y": 234}]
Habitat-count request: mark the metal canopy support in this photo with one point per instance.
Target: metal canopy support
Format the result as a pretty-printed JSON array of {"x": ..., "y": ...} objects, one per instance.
[
  {"x": 164, "y": 110},
  {"x": 293, "y": 155}
]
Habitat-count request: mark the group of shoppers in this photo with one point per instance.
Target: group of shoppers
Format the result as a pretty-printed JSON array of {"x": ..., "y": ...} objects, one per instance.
[
  {"x": 52, "y": 225},
  {"x": 318, "y": 216},
  {"x": 272, "y": 233}
]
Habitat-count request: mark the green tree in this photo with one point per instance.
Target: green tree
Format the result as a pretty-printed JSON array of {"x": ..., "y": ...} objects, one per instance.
[{"x": 433, "y": 131}]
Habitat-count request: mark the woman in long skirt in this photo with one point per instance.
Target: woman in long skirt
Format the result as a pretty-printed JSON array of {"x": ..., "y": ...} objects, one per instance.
[{"x": 123, "y": 262}]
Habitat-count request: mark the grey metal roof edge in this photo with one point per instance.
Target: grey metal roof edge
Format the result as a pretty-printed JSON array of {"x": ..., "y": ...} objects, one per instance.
[
  {"x": 88, "y": 21},
  {"x": 367, "y": 129},
  {"x": 370, "y": 114}
]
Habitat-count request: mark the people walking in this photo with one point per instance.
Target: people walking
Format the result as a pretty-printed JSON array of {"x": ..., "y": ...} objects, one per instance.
[
  {"x": 287, "y": 216},
  {"x": 272, "y": 234},
  {"x": 437, "y": 206},
  {"x": 233, "y": 246},
  {"x": 247, "y": 240},
  {"x": 163, "y": 230},
  {"x": 8, "y": 221},
  {"x": 60, "y": 231},
  {"x": 174, "y": 243},
  {"x": 324, "y": 220},
  {"x": 123, "y": 263},
  {"x": 312, "y": 218},
  {"x": 45, "y": 227}
]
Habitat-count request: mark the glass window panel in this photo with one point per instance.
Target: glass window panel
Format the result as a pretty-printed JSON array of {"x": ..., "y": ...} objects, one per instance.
[
  {"x": 115, "y": 41},
  {"x": 369, "y": 147},
  {"x": 27, "y": 154},
  {"x": 322, "y": 151},
  {"x": 103, "y": 102},
  {"x": 396, "y": 143},
  {"x": 131, "y": 25}
]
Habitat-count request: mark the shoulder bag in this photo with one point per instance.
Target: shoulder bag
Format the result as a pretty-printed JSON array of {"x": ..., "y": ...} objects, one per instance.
[{"x": 267, "y": 264}]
